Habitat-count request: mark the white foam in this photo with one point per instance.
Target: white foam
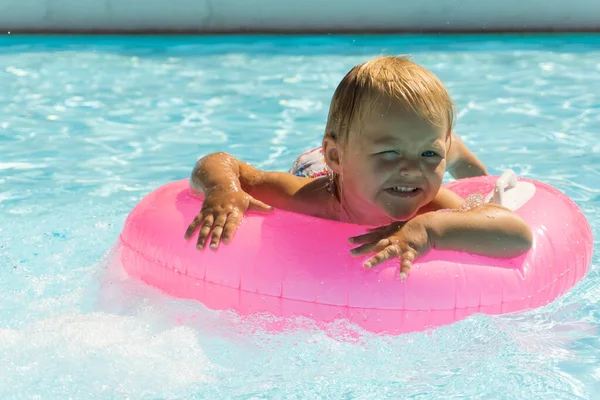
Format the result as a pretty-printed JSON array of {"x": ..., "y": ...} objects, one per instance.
[{"x": 130, "y": 357}]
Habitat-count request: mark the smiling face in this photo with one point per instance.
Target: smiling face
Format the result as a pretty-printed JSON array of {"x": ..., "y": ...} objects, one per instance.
[
  {"x": 392, "y": 166},
  {"x": 386, "y": 139}
]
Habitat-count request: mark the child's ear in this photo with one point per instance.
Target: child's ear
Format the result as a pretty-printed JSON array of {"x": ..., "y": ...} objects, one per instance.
[{"x": 331, "y": 152}]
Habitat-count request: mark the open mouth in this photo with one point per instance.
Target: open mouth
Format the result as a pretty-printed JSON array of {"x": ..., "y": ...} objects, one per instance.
[{"x": 403, "y": 190}]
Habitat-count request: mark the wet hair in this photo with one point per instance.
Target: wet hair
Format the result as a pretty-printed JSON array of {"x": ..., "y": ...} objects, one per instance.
[{"x": 387, "y": 79}]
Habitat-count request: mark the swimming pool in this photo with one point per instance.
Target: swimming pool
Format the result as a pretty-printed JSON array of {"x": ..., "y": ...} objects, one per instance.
[{"x": 89, "y": 125}]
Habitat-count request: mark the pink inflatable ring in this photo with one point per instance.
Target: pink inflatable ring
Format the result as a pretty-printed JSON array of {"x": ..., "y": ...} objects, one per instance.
[{"x": 290, "y": 265}]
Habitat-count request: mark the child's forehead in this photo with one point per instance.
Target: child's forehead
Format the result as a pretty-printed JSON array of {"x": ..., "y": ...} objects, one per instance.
[
  {"x": 376, "y": 106},
  {"x": 397, "y": 126},
  {"x": 391, "y": 115}
]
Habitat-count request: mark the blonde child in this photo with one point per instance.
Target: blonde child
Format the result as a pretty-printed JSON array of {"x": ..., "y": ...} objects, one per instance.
[{"x": 385, "y": 150}]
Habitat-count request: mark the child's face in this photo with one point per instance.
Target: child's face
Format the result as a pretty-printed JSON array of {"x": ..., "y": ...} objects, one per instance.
[{"x": 394, "y": 165}]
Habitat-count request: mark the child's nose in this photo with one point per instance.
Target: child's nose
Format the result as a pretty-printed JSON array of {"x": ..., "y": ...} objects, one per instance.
[{"x": 410, "y": 168}]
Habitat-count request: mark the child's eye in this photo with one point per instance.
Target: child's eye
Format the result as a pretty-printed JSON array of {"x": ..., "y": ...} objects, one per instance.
[
  {"x": 429, "y": 153},
  {"x": 388, "y": 153}
]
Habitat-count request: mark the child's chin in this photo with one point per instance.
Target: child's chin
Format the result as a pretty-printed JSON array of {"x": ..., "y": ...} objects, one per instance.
[{"x": 402, "y": 215}]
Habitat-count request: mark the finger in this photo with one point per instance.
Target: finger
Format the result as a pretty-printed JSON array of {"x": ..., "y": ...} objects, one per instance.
[
  {"x": 370, "y": 247},
  {"x": 377, "y": 229},
  {"x": 205, "y": 230},
  {"x": 389, "y": 252},
  {"x": 217, "y": 230},
  {"x": 391, "y": 227},
  {"x": 193, "y": 226},
  {"x": 368, "y": 237},
  {"x": 259, "y": 206},
  {"x": 233, "y": 221},
  {"x": 407, "y": 259}
]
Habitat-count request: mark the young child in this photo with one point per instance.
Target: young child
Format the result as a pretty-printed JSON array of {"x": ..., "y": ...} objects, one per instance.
[{"x": 385, "y": 150}]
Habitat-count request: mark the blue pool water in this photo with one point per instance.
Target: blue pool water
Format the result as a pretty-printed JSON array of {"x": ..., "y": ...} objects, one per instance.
[{"x": 89, "y": 125}]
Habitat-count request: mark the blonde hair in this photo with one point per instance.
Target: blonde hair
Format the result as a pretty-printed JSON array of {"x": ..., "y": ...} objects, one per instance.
[
  {"x": 387, "y": 78},
  {"x": 390, "y": 78}
]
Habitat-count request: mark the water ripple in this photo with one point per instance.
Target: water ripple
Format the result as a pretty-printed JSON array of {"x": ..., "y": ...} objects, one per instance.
[{"x": 90, "y": 125}]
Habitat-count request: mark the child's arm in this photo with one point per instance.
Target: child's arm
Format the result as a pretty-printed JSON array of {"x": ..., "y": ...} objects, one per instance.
[
  {"x": 462, "y": 163},
  {"x": 491, "y": 231},
  {"x": 232, "y": 187}
]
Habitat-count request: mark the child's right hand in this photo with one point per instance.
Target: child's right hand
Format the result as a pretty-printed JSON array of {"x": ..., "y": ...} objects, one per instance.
[{"x": 222, "y": 212}]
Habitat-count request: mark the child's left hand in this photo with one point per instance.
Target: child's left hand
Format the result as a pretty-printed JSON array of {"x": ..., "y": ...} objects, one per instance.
[{"x": 405, "y": 240}]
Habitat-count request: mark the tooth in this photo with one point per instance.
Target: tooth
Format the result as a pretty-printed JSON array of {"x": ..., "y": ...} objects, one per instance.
[{"x": 403, "y": 189}]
